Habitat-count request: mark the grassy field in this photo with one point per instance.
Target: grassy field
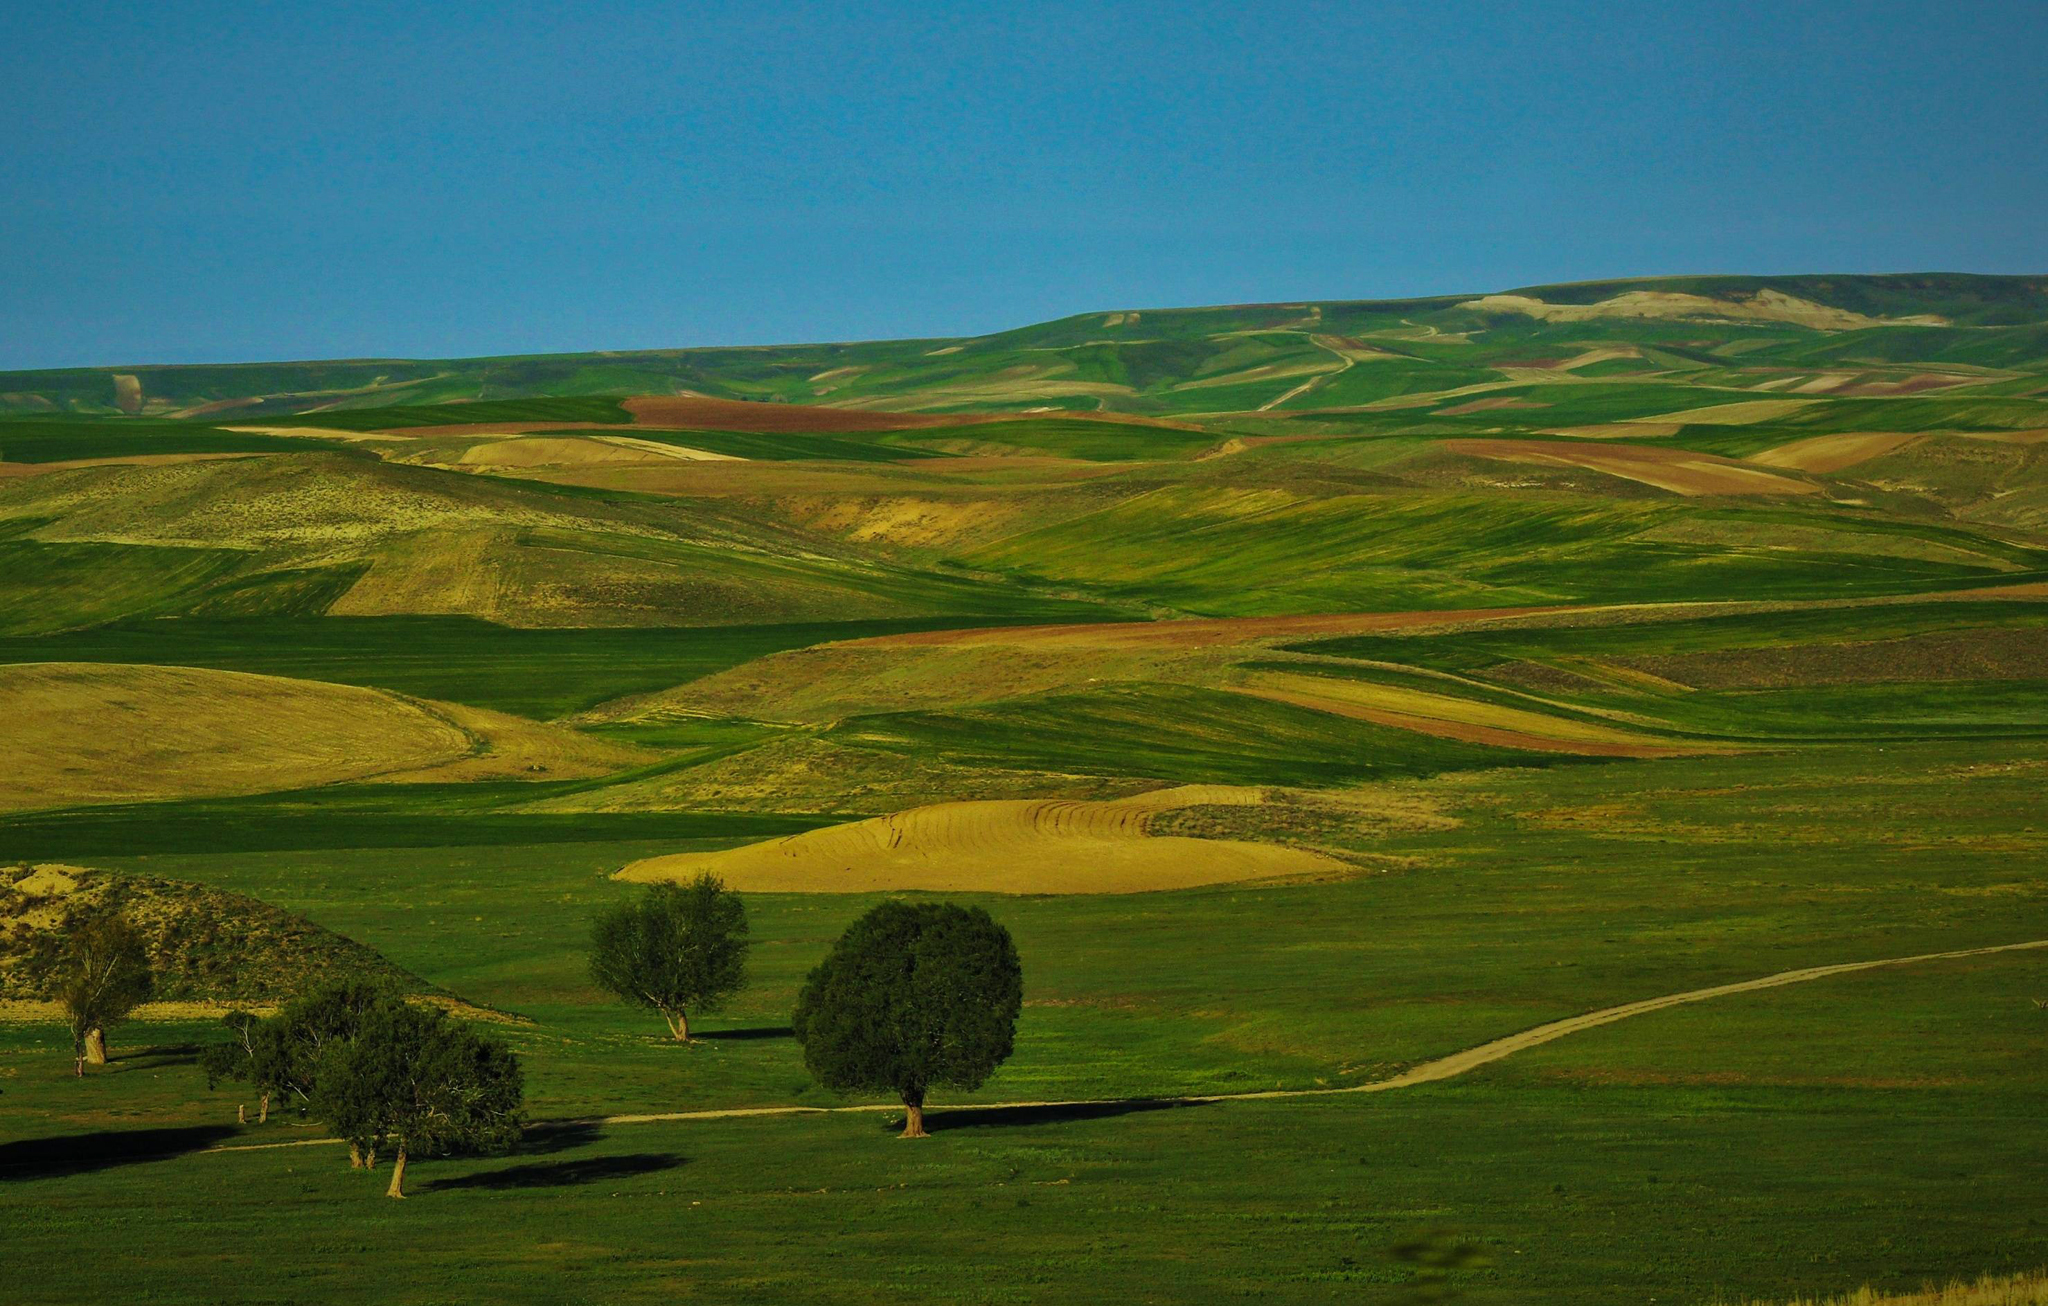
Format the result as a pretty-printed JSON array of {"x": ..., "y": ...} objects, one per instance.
[{"x": 1576, "y": 646}]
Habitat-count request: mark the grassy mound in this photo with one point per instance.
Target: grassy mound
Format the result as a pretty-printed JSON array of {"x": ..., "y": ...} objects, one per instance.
[
  {"x": 205, "y": 944},
  {"x": 1057, "y": 846}
]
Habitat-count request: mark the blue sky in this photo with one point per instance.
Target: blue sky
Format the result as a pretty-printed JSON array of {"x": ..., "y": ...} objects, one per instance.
[{"x": 213, "y": 182}]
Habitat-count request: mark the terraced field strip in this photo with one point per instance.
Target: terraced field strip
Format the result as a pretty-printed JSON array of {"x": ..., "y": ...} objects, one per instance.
[
  {"x": 1450, "y": 717},
  {"x": 1429, "y": 1072}
]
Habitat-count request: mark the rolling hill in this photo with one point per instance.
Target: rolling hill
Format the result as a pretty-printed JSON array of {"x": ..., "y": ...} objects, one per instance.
[{"x": 1317, "y": 691}]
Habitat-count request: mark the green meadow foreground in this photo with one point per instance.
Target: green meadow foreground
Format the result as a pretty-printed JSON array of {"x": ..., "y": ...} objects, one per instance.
[{"x": 1312, "y": 691}]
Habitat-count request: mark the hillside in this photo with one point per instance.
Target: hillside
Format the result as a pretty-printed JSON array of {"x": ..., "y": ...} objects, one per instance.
[
  {"x": 203, "y": 945},
  {"x": 1320, "y": 692},
  {"x": 1229, "y": 358}
]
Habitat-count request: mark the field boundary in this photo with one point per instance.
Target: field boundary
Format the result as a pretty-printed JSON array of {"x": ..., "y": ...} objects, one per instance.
[{"x": 1429, "y": 1072}]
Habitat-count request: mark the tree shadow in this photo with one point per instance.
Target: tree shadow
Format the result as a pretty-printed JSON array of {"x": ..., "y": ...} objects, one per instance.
[
  {"x": 154, "y": 1056},
  {"x": 72, "y": 1154},
  {"x": 1054, "y": 1113},
  {"x": 563, "y": 1174},
  {"x": 748, "y": 1035}
]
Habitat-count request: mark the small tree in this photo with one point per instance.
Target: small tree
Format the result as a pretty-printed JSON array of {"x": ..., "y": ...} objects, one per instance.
[
  {"x": 235, "y": 1057},
  {"x": 420, "y": 1081},
  {"x": 281, "y": 1056},
  {"x": 912, "y": 996},
  {"x": 102, "y": 976},
  {"x": 681, "y": 948}
]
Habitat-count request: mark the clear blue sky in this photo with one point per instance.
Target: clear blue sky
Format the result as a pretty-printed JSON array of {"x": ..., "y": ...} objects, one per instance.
[{"x": 225, "y": 182}]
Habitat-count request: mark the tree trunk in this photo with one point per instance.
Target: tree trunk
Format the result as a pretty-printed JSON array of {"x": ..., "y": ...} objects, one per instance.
[
  {"x": 96, "y": 1047},
  {"x": 913, "y": 1119},
  {"x": 355, "y": 1157},
  {"x": 679, "y": 1025},
  {"x": 263, "y": 1110},
  {"x": 397, "y": 1188},
  {"x": 79, "y": 1068},
  {"x": 241, "y": 1113}
]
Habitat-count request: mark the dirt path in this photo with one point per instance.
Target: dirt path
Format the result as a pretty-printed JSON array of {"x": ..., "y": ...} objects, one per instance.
[
  {"x": 1345, "y": 362},
  {"x": 1429, "y": 1072}
]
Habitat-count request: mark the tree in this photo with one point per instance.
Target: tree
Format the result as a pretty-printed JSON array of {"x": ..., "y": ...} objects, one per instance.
[
  {"x": 235, "y": 1058},
  {"x": 682, "y": 947},
  {"x": 912, "y": 996},
  {"x": 416, "y": 1079},
  {"x": 102, "y": 975},
  {"x": 281, "y": 1056}
]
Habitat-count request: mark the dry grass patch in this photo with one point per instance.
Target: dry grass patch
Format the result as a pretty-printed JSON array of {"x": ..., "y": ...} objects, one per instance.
[
  {"x": 78, "y": 733},
  {"x": 806, "y": 773},
  {"x": 1832, "y": 453},
  {"x": 578, "y": 451},
  {"x": 1448, "y": 717},
  {"x": 1616, "y": 431},
  {"x": 1680, "y": 471},
  {"x": 1747, "y": 412},
  {"x": 1057, "y": 846},
  {"x": 1763, "y": 306},
  {"x": 706, "y": 413},
  {"x": 100, "y": 733},
  {"x": 1204, "y": 632},
  {"x": 2026, "y": 1289}
]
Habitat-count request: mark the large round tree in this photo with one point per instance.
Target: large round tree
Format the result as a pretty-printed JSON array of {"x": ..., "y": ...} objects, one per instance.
[{"x": 911, "y": 997}]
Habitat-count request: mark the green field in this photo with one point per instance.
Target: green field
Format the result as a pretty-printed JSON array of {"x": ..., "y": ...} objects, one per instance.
[{"x": 1574, "y": 720}]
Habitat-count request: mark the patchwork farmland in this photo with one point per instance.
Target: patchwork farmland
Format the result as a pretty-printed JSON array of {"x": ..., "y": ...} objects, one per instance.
[{"x": 1406, "y": 697}]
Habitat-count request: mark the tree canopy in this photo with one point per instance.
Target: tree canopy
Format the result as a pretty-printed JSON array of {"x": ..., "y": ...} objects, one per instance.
[
  {"x": 281, "y": 1056},
  {"x": 680, "y": 948},
  {"x": 416, "y": 1079},
  {"x": 103, "y": 974},
  {"x": 911, "y": 997}
]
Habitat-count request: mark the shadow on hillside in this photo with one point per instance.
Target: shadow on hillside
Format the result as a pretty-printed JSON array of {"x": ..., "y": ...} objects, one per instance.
[
  {"x": 564, "y": 1174},
  {"x": 748, "y": 1035},
  {"x": 72, "y": 1154},
  {"x": 1057, "y": 1113}
]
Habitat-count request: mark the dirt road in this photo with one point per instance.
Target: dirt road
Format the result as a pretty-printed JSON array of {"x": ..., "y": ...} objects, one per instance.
[{"x": 1429, "y": 1072}]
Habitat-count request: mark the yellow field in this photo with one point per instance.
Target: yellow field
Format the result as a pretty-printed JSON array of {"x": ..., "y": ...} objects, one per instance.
[
  {"x": 1764, "y": 306},
  {"x": 1832, "y": 453},
  {"x": 1039, "y": 846},
  {"x": 106, "y": 733},
  {"x": 1450, "y": 717},
  {"x": 2030, "y": 1289},
  {"x": 579, "y": 451},
  {"x": 1743, "y": 413},
  {"x": 1680, "y": 471}
]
